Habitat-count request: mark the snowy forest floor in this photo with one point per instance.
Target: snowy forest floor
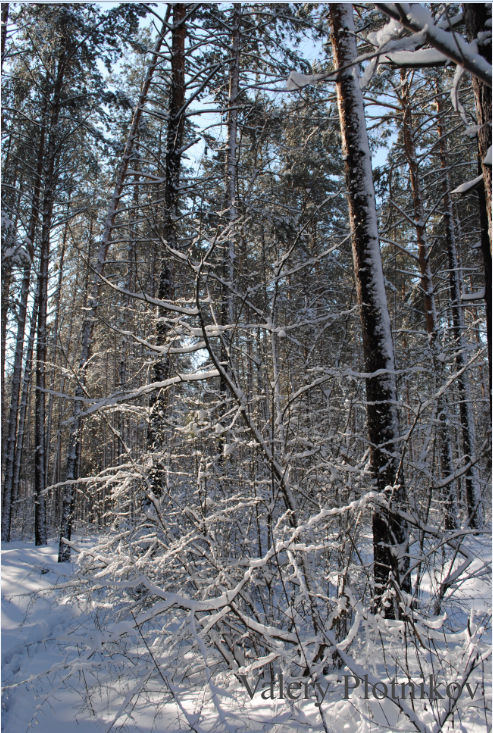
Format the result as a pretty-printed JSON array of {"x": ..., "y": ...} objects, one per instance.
[{"x": 33, "y": 626}]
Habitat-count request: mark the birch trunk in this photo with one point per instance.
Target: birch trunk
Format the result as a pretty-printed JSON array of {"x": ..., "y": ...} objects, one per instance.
[
  {"x": 88, "y": 325},
  {"x": 383, "y": 431},
  {"x": 473, "y": 497}
]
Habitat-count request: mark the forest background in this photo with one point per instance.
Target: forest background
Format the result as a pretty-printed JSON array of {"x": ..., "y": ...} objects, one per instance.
[{"x": 246, "y": 349}]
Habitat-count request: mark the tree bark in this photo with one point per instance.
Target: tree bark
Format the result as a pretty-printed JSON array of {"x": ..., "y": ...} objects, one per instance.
[
  {"x": 40, "y": 528},
  {"x": 174, "y": 142},
  {"x": 26, "y": 383},
  {"x": 227, "y": 304},
  {"x": 486, "y": 252},
  {"x": 383, "y": 431},
  {"x": 19, "y": 349},
  {"x": 5, "y": 310},
  {"x": 428, "y": 290},
  {"x": 54, "y": 351},
  {"x": 14, "y": 406},
  {"x": 5, "y": 19},
  {"x": 476, "y": 16},
  {"x": 88, "y": 325},
  {"x": 419, "y": 213},
  {"x": 473, "y": 497}
]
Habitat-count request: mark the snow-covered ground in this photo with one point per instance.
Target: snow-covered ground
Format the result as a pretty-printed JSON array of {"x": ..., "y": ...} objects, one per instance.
[
  {"x": 30, "y": 627},
  {"x": 35, "y": 626}
]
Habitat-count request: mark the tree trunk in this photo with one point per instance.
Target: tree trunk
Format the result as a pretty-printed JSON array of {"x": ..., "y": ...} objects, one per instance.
[
  {"x": 476, "y": 17},
  {"x": 19, "y": 349},
  {"x": 428, "y": 289},
  {"x": 14, "y": 406},
  {"x": 176, "y": 126},
  {"x": 419, "y": 213},
  {"x": 26, "y": 383},
  {"x": 40, "y": 528},
  {"x": 5, "y": 19},
  {"x": 382, "y": 419},
  {"x": 130, "y": 286},
  {"x": 486, "y": 252},
  {"x": 88, "y": 325},
  {"x": 465, "y": 409},
  {"x": 54, "y": 347},
  {"x": 227, "y": 304},
  {"x": 5, "y": 309}
]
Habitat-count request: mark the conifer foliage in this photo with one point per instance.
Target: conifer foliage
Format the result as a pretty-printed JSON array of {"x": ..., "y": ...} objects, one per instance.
[{"x": 246, "y": 340}]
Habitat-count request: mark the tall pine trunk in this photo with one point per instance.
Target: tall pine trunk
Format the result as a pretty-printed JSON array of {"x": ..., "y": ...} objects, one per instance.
[
  {"x": 227, "y": 304},
  {"x": 477, "y": 18},
  {"x": 14, "y": 406},
  {"x": 487, "y": 262},
  {"x": 428, "y": 290},
  {"x": 465, "y": 406},
  {"x": 26, "y": 385},
  {"x": 389, "y": 530},
  {"x": 5, "y": 18},
  {"x": 19, "y": 350},
  {"x": 174, "y": 142},
  {"x": 49, "y": 182},
  {"x": 54, "y": 350},
  {"x": 88, "y": 325}
]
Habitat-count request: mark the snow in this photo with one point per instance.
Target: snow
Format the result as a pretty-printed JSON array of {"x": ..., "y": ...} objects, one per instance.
[
  {"x": 298, "y": 81},
  {"x": 474, "y": 296},
  {"x": 12, "y": 248},
  {"x": 146, "y": 389},
  {"x": 35, "y": 627},
  {"x": 154, "y": 179},
  {"x": 27, "y": 628},
  {"x": 464, "y": 187},
  {"x": 472, "y": 130},
  {"x": 380, "y": 37},
  {"x": 423, "y": 57},
  {"x": 98, "y": 637},
  {"x": 419, "y": 19},
  {"x": 454, "y": 95}
]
